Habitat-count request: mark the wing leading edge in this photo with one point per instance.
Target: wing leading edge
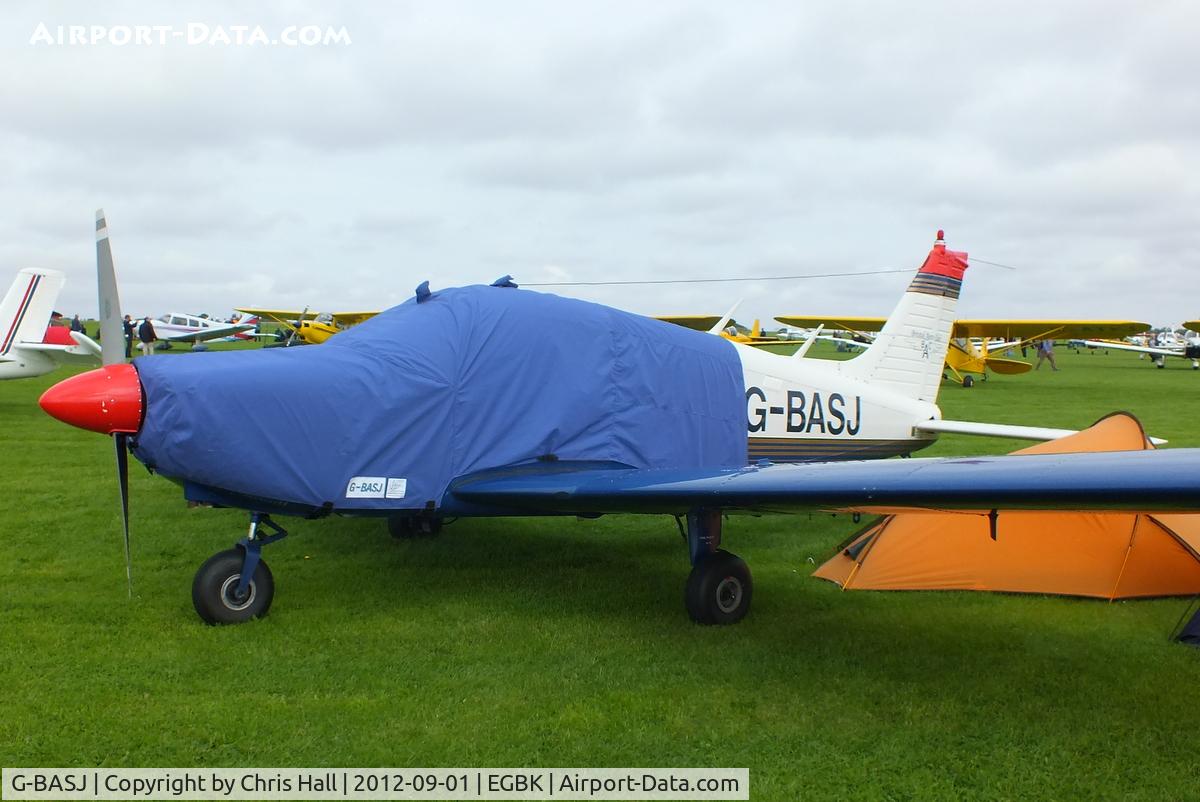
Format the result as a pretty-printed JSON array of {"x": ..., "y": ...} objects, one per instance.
[{"x": 1149, "y": 481}]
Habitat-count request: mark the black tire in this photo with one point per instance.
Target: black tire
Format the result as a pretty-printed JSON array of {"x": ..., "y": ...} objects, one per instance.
[
  {"x": 719, "y": 589},
  {"x": 217, "y": 579},
  {"x": 406, "y": 527},
  {"x": 968, "y": 381}
]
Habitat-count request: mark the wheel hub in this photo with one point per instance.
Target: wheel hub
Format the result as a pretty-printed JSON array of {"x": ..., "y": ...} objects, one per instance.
[
  {"x": 729, "y": 594},
  {"x": 230, "y": 597}
]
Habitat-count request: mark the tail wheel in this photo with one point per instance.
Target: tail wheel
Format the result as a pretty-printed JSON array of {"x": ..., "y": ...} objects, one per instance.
[
  {"x": 719, "y": 589},
  {"x": 214, "y": 590}
]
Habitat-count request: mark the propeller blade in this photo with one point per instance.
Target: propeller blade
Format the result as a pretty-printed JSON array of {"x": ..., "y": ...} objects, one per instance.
[
  {"x": 299, "y": 323},
  {"x": 119, "y": 439},
  {"x": 112, "y": 332}
]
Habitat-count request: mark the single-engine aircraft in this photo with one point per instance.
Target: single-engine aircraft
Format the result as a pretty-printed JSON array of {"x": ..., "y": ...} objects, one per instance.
[
  {"x": 177, "y": 327},
  {"x": 31, "y": 345},
  {"x": 444, "y": 406},
  {"x": 316, "y": 330},
  {"x": 1160, "y": 349},
  {"x": 965, "y": 358}
]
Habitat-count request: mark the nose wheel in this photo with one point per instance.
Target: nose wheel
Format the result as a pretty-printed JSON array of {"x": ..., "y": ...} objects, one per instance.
[
  {"x": 217, "y": 591},
  {"x": 235, "y": 585}
]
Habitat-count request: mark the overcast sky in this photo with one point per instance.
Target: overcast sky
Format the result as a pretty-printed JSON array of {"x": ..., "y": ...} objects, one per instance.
[{"x": 572, "y": 141}]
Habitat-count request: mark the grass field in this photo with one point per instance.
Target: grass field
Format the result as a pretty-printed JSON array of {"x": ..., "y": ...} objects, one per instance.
[{"x": 559, "y": 642}]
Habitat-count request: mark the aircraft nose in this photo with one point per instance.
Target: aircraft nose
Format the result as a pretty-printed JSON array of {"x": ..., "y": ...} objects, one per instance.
[{"x": 106, "y": 400}]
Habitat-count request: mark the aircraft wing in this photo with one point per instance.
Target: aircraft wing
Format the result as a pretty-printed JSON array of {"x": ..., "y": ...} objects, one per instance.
[
  {"x": 1141, "y": 349},
  {"x": 344, "y": 319},
  {"x": 941, "y": 426},
  {"x": 282, "y": 315},
  {"x": 1148, "y": 481},
  {"x": 831, "y": 322},
  {"x": 1192, "y": 325},
  {"x": 289, "y": 316},
  {"x": 695, "y": 322},
  {"x": 286, "y": 317},
  {"x": 215, "y": 333},
  {"x": 1046, "y": 329},
  {"x": 1003, "y": 328}
]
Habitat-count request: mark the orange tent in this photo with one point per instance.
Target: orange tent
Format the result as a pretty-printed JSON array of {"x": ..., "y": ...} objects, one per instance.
[{"x": 1109, "y": 556}]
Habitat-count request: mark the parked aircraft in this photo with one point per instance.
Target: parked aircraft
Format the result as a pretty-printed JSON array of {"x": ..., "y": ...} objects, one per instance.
[
  {"x": 316, "y": 330},
  {"x": 1158, "y": 350},
  {"x": 973, "y": 342},
  {"x": 178, "y": 327},
  {"x": 445, "y": 406},
  {"x": 725, "y": 326},
  {"x": 31, "y": 345}
]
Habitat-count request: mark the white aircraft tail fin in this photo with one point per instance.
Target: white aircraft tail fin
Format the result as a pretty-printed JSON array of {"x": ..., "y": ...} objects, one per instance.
[
  {"x": 25, "y": 311},
  {"x": 908, "y": 355}
]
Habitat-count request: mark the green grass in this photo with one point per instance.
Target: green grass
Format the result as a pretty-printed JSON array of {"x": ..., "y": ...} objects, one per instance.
[{"x": 558, "y": 642}]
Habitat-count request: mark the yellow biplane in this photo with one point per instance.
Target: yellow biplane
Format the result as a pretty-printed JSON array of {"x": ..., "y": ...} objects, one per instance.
[
  {"x": 974, "y": 341},
  {"x": 317, "y": 329}
]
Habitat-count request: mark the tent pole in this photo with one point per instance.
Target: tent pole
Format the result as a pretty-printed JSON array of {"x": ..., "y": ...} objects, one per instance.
[{"x": 1128, "y": 550}]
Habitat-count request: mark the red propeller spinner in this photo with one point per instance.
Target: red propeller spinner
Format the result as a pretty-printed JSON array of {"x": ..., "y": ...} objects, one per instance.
[{"x": 106, "y": 400}]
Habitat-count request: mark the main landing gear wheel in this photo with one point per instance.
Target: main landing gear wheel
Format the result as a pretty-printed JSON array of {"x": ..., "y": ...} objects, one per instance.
[
  {"x": 214, "y": 590},
  {"x": 968, "y": 381},
  {"x": 405, "y": 527},
  {"x": 719, "y": 589}
]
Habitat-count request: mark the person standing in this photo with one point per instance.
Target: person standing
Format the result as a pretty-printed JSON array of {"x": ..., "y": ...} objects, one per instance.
[
  {"x": 129, "y": 333},
  {"x": 1045, "y": 352},
  {"x": 76, "y": 324},
  {"x": 147, "y": 335}
]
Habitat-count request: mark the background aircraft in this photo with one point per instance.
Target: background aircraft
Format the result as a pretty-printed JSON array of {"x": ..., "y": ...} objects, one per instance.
[
  {"x": 1159, "y": 348},
  {"x": 176, "y": 327},
  {"x": 30, "y": 345},
  {"x": 730, "y": 329},
  {"x": 316, "y": 330},
  {"x": 965, "y": 358},
  {"x": 445, "y": 406}
]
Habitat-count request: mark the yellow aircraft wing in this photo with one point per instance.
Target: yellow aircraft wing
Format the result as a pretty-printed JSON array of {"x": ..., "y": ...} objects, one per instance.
[
  {"x": 347, "y": 319},
  {"x": 342, "y": 318},
  {"x": 697, "y": 322},
  {"x": 1046, "y": 329},
  {"x": 1192, "y": 325},
  {"x": 830, "y": 322},
  {"x": 276, "y": 315}
]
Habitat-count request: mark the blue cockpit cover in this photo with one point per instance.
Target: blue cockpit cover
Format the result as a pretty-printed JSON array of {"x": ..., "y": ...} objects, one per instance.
[{"x": 385, "y": 415}]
